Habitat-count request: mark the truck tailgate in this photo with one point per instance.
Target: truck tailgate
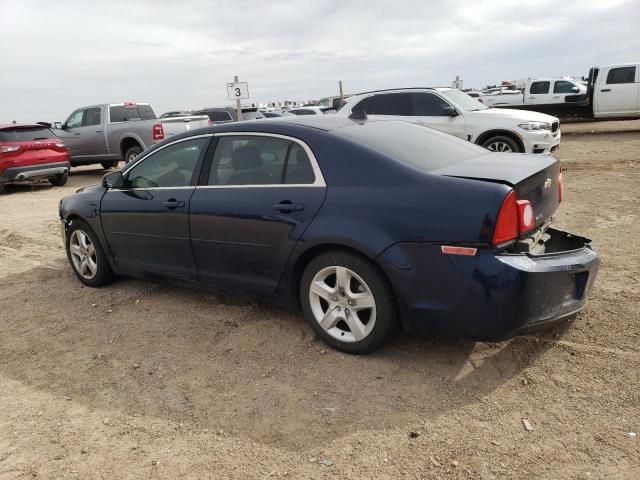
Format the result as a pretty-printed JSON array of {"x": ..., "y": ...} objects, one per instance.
[{"x": 173, "y": 126}]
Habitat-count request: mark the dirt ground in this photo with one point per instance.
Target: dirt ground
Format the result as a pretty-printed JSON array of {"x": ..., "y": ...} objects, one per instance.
[{"x": 147, "y": 381}]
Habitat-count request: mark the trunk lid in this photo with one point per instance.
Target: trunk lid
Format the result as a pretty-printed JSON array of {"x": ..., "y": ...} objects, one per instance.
[{"x": 534, "y": 178}]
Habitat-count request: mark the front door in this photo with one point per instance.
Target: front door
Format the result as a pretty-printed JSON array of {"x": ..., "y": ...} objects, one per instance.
[
  {"x": 617, "y": 95},
  {"x": 429, "y": 110},
  {"x": 562, "y": 89},
  {"x": 261, "y": 193},
  {"x": 146, "y": 222},
  {"x": 71, "y": 134}
]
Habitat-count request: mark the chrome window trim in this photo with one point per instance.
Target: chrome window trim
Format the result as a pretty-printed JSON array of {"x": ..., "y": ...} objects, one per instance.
[{"x": 319, "y": 178}]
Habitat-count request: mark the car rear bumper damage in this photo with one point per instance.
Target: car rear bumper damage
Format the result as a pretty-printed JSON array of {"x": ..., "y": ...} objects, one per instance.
[
  {"x": 490, "y": 296},
  {"x": 15, "y": 174}
]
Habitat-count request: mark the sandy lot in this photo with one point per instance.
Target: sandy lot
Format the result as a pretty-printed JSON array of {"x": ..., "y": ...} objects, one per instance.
[{"x": 141, "y": 380}]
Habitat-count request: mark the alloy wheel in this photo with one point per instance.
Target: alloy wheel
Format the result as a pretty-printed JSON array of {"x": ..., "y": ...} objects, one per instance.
[
  {"x": 342, "y": 304},
  {"x": 499, "y": 147},
  {"x": 83, "y": 254}
]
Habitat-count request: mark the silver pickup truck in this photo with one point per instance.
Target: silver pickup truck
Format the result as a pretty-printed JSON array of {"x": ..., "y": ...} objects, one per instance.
[{"x": 109, "y": 133}]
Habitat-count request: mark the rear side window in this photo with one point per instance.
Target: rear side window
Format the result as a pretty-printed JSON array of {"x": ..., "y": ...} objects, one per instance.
[
  {"x": 621, "y": 75},
  {"x": 413, "y": 145},
  {"x": 130, "y": 113},
  {"x": 219, "y": 116},
  {"x": 540, "y": 87},
  {"x": 258, "y": 160},
  {"x": 386, "y": 104},
  {"x": 562, "y": 86},
  {"x": 27, "y": 134}
]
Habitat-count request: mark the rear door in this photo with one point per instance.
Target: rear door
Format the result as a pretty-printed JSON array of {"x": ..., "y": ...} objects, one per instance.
[
  {"x": 617, "y": 93},
  {"x": 539, "y": 92},
  {"x": 146, "y": 222},
  {"x": 259, "y": 195}
]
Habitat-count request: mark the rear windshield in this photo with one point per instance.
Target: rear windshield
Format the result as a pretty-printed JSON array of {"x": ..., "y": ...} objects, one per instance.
[
  {"x": 25, "y": 134},
  {"x": 215, "y": 116},
  {"x": 419, "y": 147},
  {"x": 128, "y": 113}
]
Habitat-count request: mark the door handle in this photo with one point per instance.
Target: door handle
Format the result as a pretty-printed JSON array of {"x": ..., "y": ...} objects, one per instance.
[
  {"x": 605, "y": 90},
  {"x": 556, "y": 96},
  {"x": 77, "y": 133},
  {"x": 287, "y": 206},
  {"x": 172, "y": 204},
  {"x": 98, "y": 131}
]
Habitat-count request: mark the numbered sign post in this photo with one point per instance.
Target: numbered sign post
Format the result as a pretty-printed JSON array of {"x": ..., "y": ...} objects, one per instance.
[{"x": 238, "y": 91}]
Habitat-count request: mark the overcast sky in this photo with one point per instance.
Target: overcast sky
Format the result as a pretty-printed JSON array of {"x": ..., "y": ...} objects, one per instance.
[{"x": 59, "y": 55}]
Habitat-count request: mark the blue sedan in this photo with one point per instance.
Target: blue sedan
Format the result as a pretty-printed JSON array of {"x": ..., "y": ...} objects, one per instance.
[{"x": 367, "y": 226}]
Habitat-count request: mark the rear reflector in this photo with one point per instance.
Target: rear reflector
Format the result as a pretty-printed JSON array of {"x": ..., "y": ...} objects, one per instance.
[
  {"x": 560, "y": 186},
  {"x": 459, "y": 250},
  {"x": 158, "y": 132}
]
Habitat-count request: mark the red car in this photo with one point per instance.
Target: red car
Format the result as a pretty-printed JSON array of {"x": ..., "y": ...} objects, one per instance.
[{"x": 32, "y": 152}]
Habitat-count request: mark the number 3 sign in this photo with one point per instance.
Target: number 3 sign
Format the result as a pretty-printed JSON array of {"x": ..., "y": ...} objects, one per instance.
[{"x": 238, "y": 91}]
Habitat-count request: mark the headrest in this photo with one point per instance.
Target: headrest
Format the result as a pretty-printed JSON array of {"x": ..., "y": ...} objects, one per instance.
[{"x": 246, "y": 158}]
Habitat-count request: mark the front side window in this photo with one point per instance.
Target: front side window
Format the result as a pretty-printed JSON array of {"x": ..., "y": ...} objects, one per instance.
[
  {"x": 75, "y": 119},
  {"x": 428, "y": 105},
  {"x": 621, "y": 75},
  {"x": 173, "y": 166},
  {"x": 386, "y": 104},
  {"x": 92, "y": 116},
  {"x": 259, "y": 160},
  {"x": 538, "y": 88}
]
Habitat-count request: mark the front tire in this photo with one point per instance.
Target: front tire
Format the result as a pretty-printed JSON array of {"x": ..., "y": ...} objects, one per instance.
[
  {"x": 502, "y": 144},
  {"x": 348, "y": 302},
  {"x": 131, "y": 153},
  {"x": 108, "y": 165},
  {"x": 59, "y": 180},
  {"x": 86, "y": 255}
]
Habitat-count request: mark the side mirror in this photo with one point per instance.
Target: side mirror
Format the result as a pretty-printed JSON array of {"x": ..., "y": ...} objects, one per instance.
[
  {"x": 450, "y": 112},
  {"x": 113, "y": 180},
  {"x": 57, "y": 125},
  {"x": 575, "y": 89}
]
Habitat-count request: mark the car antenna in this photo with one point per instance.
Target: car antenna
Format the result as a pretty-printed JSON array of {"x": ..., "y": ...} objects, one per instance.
[{"x": 358, "y": 115}]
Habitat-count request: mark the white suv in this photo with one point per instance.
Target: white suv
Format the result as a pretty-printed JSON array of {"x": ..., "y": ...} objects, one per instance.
[{"x": 456, "y": 113}]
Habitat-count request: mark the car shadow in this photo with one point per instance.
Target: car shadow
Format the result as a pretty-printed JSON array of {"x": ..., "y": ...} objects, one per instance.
[{"x": 221, "y": 362}]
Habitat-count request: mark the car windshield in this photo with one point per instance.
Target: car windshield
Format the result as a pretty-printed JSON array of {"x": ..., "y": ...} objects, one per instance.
[
  {"x": 28, "y": 134},
  {"x": 463, "y": 101},
  {"x": 413, "y": 145}
]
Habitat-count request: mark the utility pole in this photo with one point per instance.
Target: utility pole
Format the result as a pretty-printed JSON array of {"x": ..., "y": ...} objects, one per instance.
[
  {"x": 341, "y": 92},
  {"x": 238, "y": 105}
]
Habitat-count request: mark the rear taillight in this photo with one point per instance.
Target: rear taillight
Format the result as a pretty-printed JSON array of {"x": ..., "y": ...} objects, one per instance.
[
  {"x": 514, "y": 218},
  {"x": 9, "y": 148},
  {"x": 60, "y": 146},
  {"x": 158, "y": 132},
  {"x": 560, "y": 186}
]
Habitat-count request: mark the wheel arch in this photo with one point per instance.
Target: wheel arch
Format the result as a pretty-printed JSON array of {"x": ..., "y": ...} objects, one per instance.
[
  {"x": 128, "y": 142},
  {"x": 483, "y": 137},
  {"x": 301, "y": 262}
]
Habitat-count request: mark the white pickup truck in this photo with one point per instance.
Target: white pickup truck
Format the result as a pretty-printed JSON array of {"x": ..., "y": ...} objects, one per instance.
[
  {"x": 109, "y": 133},
  {"x": 541, "y": 91},
  {"x": 611, "y": 92}
]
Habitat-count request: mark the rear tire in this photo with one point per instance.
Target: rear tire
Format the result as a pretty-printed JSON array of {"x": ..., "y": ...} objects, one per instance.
[
  {"x": 108, "y": 165},
  {"x": 86, "y": 255},
  {"x": 348, "y": 302},
  {"x": 59, "y": 180},
  {"x": 503, "y": 144},
  {"x": 132, "y": 153}
]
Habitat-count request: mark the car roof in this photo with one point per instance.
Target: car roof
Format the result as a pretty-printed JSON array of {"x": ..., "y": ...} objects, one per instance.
[
  {"x": 319, "y": 122},
  {"x": 403, "y": 89}
]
